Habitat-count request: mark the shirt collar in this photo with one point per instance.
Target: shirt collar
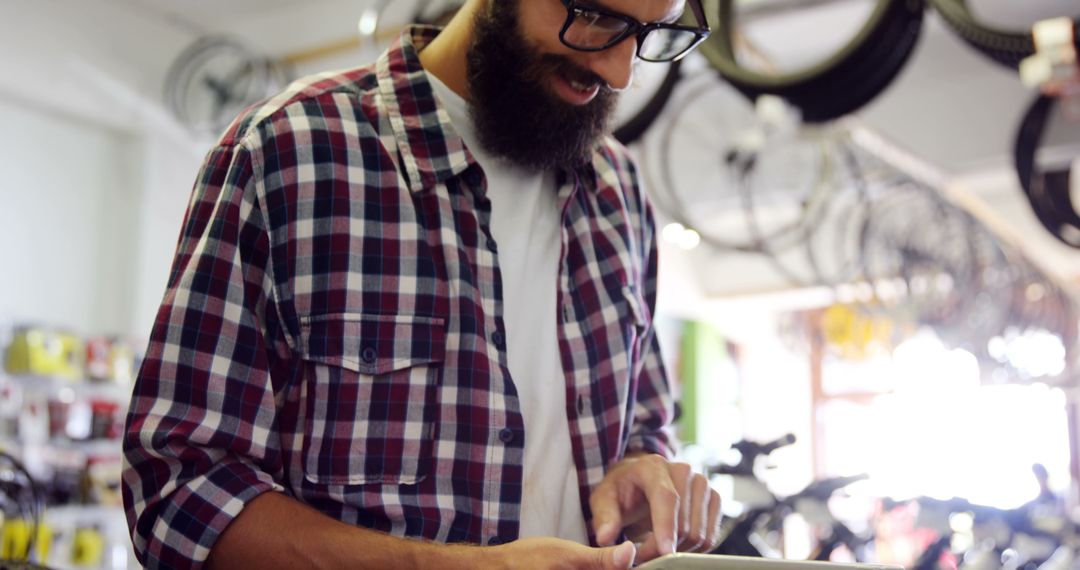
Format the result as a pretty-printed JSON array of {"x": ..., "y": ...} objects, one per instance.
[{"x": 431, "y": 150}]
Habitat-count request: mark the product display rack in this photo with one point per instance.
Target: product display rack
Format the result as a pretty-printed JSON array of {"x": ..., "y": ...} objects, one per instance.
[{"x": 61, "y": 426}]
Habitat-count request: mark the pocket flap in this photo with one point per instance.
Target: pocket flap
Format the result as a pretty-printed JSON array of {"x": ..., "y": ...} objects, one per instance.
[{"x": 373, "y": 344}]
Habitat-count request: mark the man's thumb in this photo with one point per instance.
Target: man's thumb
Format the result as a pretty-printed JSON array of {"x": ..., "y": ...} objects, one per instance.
[{"x": 620, "y": 557}]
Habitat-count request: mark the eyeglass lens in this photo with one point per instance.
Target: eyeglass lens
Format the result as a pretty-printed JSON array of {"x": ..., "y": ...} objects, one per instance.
[
  {"x": 665, "y": 43},
  {"x": 594, "y": 30},
  {"x": 591, "y": 30}
]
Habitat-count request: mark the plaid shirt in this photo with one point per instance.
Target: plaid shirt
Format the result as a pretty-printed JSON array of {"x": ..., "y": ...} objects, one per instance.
[{"x": 332, "y": 327}]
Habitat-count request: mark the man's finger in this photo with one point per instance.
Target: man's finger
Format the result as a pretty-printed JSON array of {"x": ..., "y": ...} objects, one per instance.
[
  {"x": 712, "y": 527},
  {"x": 696, "y": 535},
  {"x": 647, "y": 550},
  {"x": 664, "y": 505},
  {"x": 682, "y": 477},
  {"x": 607, "y": 519}
]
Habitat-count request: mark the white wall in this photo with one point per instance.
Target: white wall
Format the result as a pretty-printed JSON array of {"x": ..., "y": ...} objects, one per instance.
[
  {"x": 68, "y": 211},
  {"x": 95, "y": 175},
  {"x": 90, "y": 221}
]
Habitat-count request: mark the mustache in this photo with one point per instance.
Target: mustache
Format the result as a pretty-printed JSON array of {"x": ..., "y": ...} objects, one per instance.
[{"x": 561, "y": 65}]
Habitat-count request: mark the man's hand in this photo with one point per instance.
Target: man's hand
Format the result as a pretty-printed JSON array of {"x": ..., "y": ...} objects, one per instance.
[
  {"x": 661, "y": 505},
  {"x": 556, "y": 554}
]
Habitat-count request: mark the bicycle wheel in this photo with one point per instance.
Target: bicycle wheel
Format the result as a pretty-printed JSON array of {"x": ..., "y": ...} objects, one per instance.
[{"x": 841, "y": 83}]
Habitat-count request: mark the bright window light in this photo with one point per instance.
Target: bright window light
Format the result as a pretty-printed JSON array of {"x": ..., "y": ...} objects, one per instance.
[
  {"x": 977, "y": 443},
  {"x": 942, "y": 434}
]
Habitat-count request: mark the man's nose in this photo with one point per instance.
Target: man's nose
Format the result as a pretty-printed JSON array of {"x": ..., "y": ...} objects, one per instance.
[{"x": 615, "y": 65}]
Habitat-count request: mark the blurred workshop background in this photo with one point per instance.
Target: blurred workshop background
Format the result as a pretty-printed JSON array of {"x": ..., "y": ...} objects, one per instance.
[{"x": 868, "y": 275}]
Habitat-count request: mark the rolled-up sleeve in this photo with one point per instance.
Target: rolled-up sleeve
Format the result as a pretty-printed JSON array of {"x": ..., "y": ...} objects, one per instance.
[{"x": 199, "y": 440}]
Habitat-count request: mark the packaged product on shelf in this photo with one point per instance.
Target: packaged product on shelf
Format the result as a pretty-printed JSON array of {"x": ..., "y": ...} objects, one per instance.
[
  {"x": 46, "y": 352},
  {"x": 109, "y": 359},
  {"x": 42, "y": 351},
  {"x": 106, "y": 419},
  {"x": 10, "y": 408},
  {"x": 97, "y": 357}
]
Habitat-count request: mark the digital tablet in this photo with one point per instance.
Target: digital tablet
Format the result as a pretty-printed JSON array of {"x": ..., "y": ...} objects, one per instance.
[{"x": 717, "y": 562}]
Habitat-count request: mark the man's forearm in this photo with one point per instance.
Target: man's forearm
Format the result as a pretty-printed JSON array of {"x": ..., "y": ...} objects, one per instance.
[{"x": 275, "y": 531}]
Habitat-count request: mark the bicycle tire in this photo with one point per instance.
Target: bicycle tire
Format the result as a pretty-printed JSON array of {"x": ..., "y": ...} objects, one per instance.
[
  {"x": 1005, "y": 48},
  {"x": 841, "y": 84},
  {"x": 1047, "y": 192}
]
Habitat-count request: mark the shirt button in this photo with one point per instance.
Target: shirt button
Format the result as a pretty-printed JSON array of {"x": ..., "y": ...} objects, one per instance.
[
  {"x": 498, "y": 339},
  {"x": 369, "y": 355},
  {"x": 506, "y": 435}
]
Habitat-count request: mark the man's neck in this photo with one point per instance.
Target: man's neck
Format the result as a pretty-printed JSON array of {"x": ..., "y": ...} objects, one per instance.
[{"x": 446, "y": 56}]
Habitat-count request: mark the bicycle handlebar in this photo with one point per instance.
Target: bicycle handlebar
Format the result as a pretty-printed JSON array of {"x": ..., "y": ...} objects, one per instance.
[
  {"x": 750, "y": 451},
  {"x": 824, "y": 488},
  {"x": 755, "y": 449}
]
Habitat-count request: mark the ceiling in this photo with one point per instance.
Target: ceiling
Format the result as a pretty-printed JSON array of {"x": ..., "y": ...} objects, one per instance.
[
  {"x": 218, "y": 15},
  {"x": 951, "y": 108},
  {"x": 966, "y": 106}
]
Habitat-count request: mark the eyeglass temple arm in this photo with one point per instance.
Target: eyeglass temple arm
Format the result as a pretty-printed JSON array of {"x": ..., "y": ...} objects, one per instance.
[{"x": 699, "y": 13}]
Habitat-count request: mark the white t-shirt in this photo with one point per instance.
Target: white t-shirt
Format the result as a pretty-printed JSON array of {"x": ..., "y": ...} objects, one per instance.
[{"x": 525, "y": 223}]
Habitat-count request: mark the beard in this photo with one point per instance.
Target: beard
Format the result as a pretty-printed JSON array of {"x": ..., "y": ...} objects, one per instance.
[{"x": 516, "y": 114}]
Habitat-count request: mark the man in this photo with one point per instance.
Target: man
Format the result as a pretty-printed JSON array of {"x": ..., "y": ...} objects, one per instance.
[{"x": 410, "y": 313}]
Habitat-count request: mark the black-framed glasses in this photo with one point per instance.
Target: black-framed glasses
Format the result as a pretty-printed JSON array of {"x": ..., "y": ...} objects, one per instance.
[{"x": 591, "y": 28}]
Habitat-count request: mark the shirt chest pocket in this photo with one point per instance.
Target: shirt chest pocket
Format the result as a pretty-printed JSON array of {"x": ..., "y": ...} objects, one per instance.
[{"x": 371, "y": 388}]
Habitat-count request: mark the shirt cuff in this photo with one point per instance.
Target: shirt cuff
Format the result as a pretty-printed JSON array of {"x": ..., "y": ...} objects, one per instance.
[
  {"x": 198, "y": 512},
  {"x": 659, "y": 442}
]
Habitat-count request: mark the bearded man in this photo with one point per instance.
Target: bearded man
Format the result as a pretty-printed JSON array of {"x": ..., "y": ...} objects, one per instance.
[{"x": 409, "y": 322}]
